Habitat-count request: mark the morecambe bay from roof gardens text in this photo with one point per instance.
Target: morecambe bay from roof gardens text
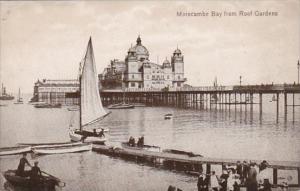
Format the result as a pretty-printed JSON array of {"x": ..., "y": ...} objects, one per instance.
[{"x": 242, "y": 13}]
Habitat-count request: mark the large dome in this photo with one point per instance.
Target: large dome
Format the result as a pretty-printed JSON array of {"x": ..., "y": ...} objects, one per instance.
[{"x": 141, "y": 51}]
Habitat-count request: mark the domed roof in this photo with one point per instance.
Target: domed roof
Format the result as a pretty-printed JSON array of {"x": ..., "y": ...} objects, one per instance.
[
  {"x": 141, "y": 51},
  {"x": 166, "y": 61}
]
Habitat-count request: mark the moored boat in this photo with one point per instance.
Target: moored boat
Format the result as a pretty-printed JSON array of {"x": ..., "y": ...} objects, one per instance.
[
  {"x": 168, "y": 116},
  {"x": 47, "y": 105},
  {"x": 62, "y": 149},
  {"x": 19, "y": 100},
  {"x": 46, "y": 182},
  {"x": 14, "y": 150},
  {"x": 91, "y": 111},
  {"x": 144, "y": 147},
  {"x": 121, "y": 106},
  {"x": 4, "y": 95}
]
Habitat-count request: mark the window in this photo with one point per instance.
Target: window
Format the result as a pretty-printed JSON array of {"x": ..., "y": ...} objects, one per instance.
[
  {"x": 178, "y": 77},
  {"x": 132, "y": 76},
  {"x": 167, "y": 76},
  {"x": 148, "y": 77},
  {"x": 132, "y": 84}
]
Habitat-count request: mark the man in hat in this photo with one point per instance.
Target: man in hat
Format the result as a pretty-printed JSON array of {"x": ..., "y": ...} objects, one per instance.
[{"x": 21, "y": 167}]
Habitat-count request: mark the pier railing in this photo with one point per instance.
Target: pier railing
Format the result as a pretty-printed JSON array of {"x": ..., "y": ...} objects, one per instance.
[{"x": 262, "y": 87}]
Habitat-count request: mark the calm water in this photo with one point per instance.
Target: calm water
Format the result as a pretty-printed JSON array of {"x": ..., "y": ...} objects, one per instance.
[{"x": 225, "y": 133}]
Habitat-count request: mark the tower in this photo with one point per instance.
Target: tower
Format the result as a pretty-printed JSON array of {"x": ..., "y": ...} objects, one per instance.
[{"x": 178, "y": 68}]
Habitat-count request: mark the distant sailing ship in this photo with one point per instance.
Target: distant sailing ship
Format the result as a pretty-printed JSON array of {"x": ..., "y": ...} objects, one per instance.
[
  {"x": 90, "y": 107},
  {"x": 4, "y": 95},
  {"x": 19, "y": 100}
]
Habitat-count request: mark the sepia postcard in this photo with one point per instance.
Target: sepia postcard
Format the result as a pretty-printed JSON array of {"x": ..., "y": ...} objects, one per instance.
[{"x": 150, "y": 95}]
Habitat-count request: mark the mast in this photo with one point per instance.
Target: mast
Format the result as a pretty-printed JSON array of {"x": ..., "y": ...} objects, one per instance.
[
  {"x": 19, "y": 96},
  {"x": 80, "y": 122}
]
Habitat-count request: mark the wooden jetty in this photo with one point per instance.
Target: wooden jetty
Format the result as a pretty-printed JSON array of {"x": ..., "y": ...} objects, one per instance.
[{"x": 191, "y": 164}]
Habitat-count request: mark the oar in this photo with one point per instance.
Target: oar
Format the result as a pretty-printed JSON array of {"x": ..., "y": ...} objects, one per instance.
[{"x": 59, "y": 181}]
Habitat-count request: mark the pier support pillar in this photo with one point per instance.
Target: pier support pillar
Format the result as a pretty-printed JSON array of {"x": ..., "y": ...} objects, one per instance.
[
  {"x": 274, "y": 176},
  {"x": 277, "y": 107},
  {"x": 260, "y": 106},
  {"x": 285, "y": 106}
]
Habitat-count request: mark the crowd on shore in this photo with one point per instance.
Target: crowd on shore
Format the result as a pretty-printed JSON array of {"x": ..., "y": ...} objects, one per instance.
[{"x": 250, "y": 175}]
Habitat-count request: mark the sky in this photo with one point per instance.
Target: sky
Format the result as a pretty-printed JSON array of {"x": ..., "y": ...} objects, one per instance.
[{"x": 47, "y": 39}]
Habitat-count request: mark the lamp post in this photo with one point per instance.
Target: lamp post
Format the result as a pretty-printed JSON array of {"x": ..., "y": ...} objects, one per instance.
[
  {"x": 298, "y": 66},
  {"x": 240, "y": 80}
]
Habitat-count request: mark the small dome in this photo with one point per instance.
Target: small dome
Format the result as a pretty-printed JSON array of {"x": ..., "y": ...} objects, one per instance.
[
  {"x": 177, "y": 51},
  {"x": 166, "y": 61},
  {"x": 132, "y": 49}
]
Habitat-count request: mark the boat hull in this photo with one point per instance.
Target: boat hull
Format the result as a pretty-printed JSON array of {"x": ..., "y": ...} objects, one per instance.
[
  {"x": 63, "y": 149},
  {"x": 89, "y": 139},
  {"x": 45, "y": 183},
  {"x": 145, "y": 147},
  {"x": 120, "y": 106},
  {"x": 14, "y": 150}
]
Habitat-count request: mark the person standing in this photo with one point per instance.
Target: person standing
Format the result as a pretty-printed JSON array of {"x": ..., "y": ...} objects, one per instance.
[
  {"x": 201, "y": 184},
  {"x": 251, "y": 182},
  {"x": 21, "y": 167},
  {"x": 214, "y": 181}
]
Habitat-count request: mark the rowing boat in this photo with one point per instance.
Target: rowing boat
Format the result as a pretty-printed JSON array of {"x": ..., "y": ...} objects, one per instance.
[
  {"x": 144, "y": 147},
  {"x": 14, "y": 150},
  {"x": 174, "y": 151},
  {"x": 46, "y": 182},
  {"x": 78, "y": 147}
]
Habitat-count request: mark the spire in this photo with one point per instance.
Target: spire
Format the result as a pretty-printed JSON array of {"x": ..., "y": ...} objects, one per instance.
[{"x": 138, "y": 40}]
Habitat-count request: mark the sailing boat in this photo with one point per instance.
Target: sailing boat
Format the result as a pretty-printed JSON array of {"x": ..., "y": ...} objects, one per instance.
[
  {"x": 91, "y": 110},
  {"x": 121, "y": 105},
  {"x": 19, "y": 100},
  {"x": 4, "y": 95}
]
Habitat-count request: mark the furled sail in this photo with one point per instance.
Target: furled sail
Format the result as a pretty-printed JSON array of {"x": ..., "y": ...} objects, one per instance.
[{"x": 91, "y": 106}]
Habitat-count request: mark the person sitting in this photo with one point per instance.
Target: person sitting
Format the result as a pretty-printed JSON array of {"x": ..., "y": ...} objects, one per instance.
[
  {"x": 35, "y": 173},
  {"x": 21, "y": 167},
  {"x": 131, "y": 141},
  {"x": 101, "y": 134}
]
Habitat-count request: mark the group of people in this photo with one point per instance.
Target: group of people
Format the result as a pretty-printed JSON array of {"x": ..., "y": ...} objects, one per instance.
[
  {"x": 140, "y": 142},
  {"x": 100, "y": 134},
  {"x": 35, "y": 173},
  {"x": 231, "y": 178}
]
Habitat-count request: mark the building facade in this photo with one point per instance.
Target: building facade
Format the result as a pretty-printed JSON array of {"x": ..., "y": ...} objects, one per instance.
[
  {"x": 137, "y": 71},
  {"x": 56, "y": 91}
]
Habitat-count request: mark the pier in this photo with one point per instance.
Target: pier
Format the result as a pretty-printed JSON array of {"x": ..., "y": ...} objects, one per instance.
[
  {"x": 208, "y": 97},
  {"x": 190, "y": 164}
]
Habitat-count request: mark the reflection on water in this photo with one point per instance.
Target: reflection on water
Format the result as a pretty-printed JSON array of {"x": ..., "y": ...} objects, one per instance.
[{"x": 227, "y": 131}]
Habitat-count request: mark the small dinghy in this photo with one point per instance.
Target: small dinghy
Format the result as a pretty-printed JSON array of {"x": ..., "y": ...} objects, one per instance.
[
  {"x": 44, "y": 144},
  {"x": 14, "y": 150},
  {"x": 46, "y": 105},
  {"x": 121, "y": 106},
  {"x": 46, "y": 182},
  {"x": 55, "y": 149},
  {"x": 169, "y": 116},
  {"x": 144, "y": 147}
]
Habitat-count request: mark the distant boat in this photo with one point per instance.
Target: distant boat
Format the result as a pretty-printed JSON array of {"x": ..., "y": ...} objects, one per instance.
[
  {"x": 169, "y": 116},
  {"x": 46, "y": 182},
  {"x": 4, "y": 95},
  {"x": 273, "y": 98},
  {"x": 36, "y": 102},
  {"x": 19, "y": 100},
  {"x": 139, "y": 104},
  {"x": 60, "y": 149},
  {"x": 120, "y": 106},
  {"x": 14, "y": 150},
  {"x": 47, "y": 105},
  {"x": 91, "y": 110},
  {"x": 73, "y": 109}
]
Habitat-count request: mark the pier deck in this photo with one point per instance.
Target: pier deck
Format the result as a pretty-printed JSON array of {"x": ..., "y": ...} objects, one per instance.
[{"x": 193, "y": 161}]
